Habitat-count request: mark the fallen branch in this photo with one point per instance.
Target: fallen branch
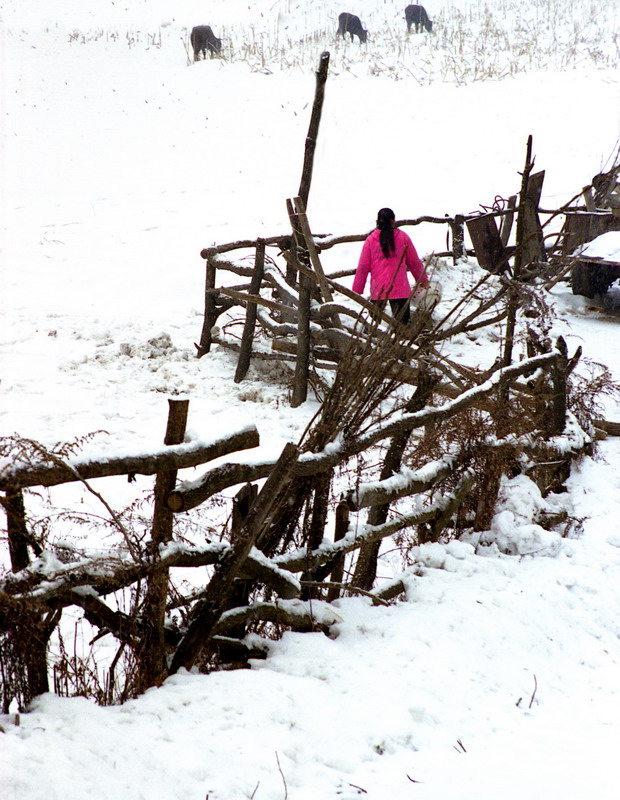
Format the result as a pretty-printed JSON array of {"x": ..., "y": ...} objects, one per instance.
[{"x": 296, "y": 614}]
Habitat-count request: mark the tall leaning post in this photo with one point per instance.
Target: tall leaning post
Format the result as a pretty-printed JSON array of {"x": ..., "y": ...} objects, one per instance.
[
  {"x": 300, "y": 389},
  {"x": 313, "y": 129}
]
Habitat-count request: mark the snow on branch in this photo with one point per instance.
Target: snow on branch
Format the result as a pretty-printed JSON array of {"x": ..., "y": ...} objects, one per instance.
[
  {"x": 302, "y": 560},
  {"x": 295, "y": 614},
  {"x": 191, "y": 495},
  {"x": 189, "y": 454},
  {"x": 48, "y": 579},
  {"x": 401, "y": 484}
]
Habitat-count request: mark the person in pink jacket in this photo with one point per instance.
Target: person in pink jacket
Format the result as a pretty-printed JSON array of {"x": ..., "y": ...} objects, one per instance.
[{"x": 386, "y": 256}]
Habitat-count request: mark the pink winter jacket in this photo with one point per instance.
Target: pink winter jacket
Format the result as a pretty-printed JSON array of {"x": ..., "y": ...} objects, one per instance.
[{"x": 384, "y": 284}]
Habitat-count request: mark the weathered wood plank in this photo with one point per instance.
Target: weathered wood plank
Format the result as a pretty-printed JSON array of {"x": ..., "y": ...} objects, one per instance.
[{"x": 490, "y": 251}]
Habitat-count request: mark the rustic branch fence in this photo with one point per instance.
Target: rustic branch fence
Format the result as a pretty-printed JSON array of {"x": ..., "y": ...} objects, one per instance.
[
  {"x": 270, "y": 544},
  {"x": 297, "y": 542},
  {"x": 294, "y": 306}
]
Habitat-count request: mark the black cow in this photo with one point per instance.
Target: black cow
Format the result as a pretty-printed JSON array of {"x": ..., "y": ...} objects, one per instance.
[
  {"x": 203, "y": 39},
  {"x": 349, "y": 23},
  {"x": 416, "y": 15}
]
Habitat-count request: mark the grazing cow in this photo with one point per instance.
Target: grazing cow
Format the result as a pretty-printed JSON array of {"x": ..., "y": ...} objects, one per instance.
[
  {"x": 349, "y": 23},
  {"x": 203, "y": 39},
  {"x": 416, "y": 15}
]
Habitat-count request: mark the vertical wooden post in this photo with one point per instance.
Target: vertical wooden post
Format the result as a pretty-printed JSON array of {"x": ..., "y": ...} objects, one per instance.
[
  {"x": 291, "y": 272},
  {"x": 507, "y": 220},
  {"x": 457, "y": 226},
  {"x": 250, "y": 317},
  {"x": 151, "y": 651},
  {"x": 17, "y": 531},
  {"x": 302, "y": 219},
  {"x": 302, "y": 363},
  {"x": 210, "y": 316},
  {"x": 521, "y": 223},
  {"x": 513, "y": 304},
  {"x": 313, "y": 129},
  {"x": 533, "y": 245},
  {"x": 560, "y": 369},
  {"x": 325, "y": 293},
  {"x": 321, "y": 485},
  {"x": 520, "y": 254},
  {"x": 166, "y": 479},
  {"x": 340, "y": 531},
  {"x": 31, "y": 631}
]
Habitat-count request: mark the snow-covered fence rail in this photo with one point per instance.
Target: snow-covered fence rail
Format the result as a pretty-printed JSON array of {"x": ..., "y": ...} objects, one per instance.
[{"x": 40, "y": 472}]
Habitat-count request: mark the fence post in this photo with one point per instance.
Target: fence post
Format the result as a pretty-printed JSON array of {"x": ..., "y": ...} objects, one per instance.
[
  {"x": 30, "y": 630},
  {"x": 313, "y": 128},
  {"x": 302, "y": 362},
  {"x": 340, "y": 531},
  {"x": 457, "y": 226},
  {"x": 17, "y": 531},
  {"x": 210, "y": 316},
  {"x": 151, "y": 652},
  {"x": 507, "y": 220},
  {"x": 558, "y": 377},
  {"x": 247, "y": 338},
  {"x": 533, "y": 240}
]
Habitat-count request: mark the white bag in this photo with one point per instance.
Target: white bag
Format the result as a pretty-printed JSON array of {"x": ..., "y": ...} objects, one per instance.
[{"x": 425, "y": 299}]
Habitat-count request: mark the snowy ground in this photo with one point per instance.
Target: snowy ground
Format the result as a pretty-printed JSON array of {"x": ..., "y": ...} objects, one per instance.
[{"x": 498, "y": 677}]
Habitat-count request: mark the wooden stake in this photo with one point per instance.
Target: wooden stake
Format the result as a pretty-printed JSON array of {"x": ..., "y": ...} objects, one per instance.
[
  {"x": 340, "y": 531},
  {"x": 302, "y": 363},
  {"x": 507, "y": 220},
  {"x": 458, "y": 237},
  {"x": 210, "y": 313},
  {"x": 559, "y": 404},
  {"x": 250, "y": 317},
  {"x": 152, "y": 652}
]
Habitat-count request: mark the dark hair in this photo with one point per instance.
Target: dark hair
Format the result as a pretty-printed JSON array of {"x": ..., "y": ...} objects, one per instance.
[{"x": 385, "y": 217}]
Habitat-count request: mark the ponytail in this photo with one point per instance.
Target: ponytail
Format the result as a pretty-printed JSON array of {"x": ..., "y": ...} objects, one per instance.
[{"x": 385, "y": 217}]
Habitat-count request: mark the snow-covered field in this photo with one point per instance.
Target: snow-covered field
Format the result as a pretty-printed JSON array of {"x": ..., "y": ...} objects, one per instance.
[{"x": 497, "y": 678}]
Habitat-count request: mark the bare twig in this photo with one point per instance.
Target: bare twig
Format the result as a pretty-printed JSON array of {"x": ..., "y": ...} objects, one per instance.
[
  {"x": 534, "y": 692},
  {"x": 283, "y": 778}
]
